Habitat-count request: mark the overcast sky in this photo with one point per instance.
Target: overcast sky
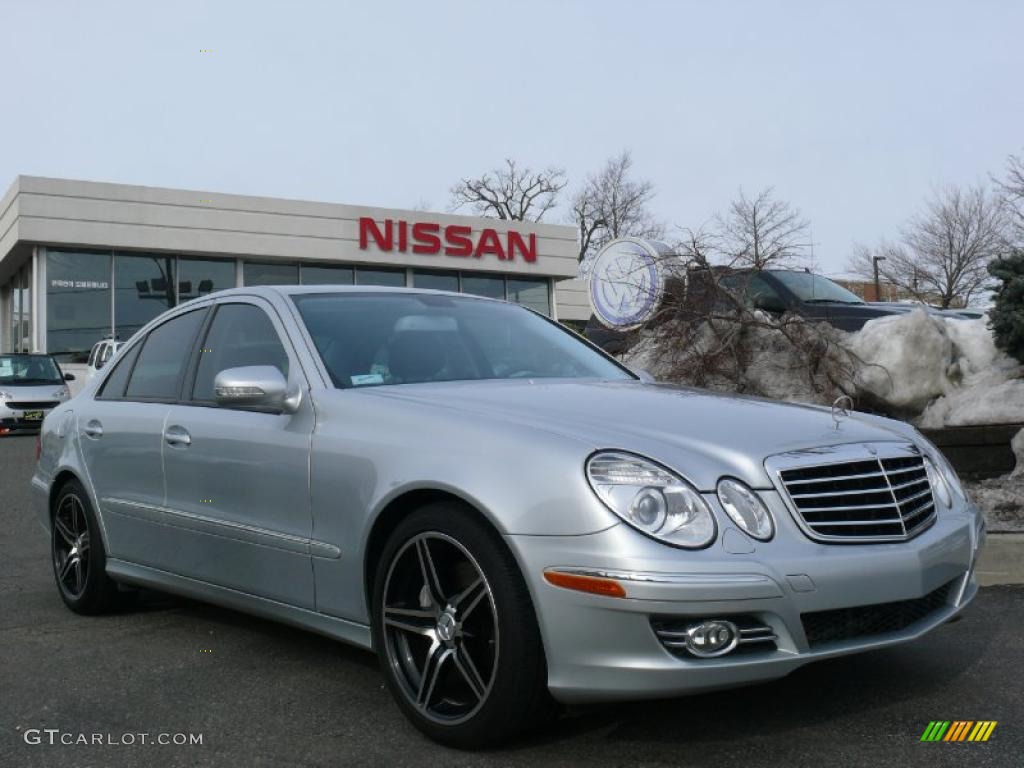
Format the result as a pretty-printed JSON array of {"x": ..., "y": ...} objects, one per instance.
[{"x": 854, "y": 111}]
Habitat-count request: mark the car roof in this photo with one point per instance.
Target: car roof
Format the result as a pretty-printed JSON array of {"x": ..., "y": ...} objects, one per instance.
[{"x": 269, "y": 291}]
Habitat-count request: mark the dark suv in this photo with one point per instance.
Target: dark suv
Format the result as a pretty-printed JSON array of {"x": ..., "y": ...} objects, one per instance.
[{"x": 776, "y": 291}]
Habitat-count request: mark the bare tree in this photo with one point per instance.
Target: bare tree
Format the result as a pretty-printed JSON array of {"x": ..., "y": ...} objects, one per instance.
[
  {"x": 944, "y": 250},
  {"x": 762, "y": 232},
  {"x": 1012, "y": 190},
  {"x": 511, "y": 192},
  {"x": 612, "y": 204}
]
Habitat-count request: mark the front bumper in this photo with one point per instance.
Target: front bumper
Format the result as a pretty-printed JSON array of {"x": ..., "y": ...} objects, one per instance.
[
  {"x": 14, "y": 420},
  {"x": 605, "y": 648}
]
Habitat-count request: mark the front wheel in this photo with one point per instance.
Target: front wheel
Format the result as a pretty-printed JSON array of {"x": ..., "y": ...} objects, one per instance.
[{"x": 455, "y": 629}]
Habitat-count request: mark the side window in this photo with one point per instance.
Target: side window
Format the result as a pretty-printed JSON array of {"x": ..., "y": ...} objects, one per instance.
[
  {"x": 163, "y": 358},
  {"x": 113, "y": 387},
  {"x": 240, "y": 335},
  {"x": 104, "y": 355}
]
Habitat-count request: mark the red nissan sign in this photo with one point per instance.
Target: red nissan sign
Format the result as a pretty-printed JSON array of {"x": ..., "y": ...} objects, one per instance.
[{"x": 454, "y": 240}]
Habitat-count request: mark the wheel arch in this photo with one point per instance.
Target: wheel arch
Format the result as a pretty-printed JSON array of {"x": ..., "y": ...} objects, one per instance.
[
  {"x": 397, "y": 509},
  {"x": 59, "y": 481}
]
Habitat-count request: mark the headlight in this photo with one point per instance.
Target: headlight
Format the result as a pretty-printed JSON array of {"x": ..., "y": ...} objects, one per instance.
[
  {"x": 950, "y": 476},
  {"x": 651, "y": 499},
  {"x": 5, "y": 395},
  {"x": 745, "y": 508},
  {"x": 940, "y": 467},
  {"x": 938, "y": 484}
]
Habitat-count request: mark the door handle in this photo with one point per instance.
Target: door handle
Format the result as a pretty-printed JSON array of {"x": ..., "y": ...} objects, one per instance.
[
  {"x": 93, "y": 429},
  {"x": 177, "y": 435}
]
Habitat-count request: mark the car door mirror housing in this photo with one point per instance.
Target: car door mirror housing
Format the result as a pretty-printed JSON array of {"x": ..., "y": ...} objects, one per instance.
[
  {"x": 260, "y": 387},
  {"x": 643, "y": 374},
  {"x": 69, "y": 377},
  {"x": 769, "y": 303}
]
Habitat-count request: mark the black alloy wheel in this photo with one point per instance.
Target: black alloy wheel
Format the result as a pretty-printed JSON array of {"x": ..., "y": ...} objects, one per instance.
[{"x": 455, "y": 629}]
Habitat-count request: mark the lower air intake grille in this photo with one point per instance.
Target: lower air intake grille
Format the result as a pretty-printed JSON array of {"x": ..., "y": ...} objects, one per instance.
[{"x": 823, "y": 627}]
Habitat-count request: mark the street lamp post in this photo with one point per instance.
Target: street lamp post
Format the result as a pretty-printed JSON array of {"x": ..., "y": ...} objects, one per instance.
[{"x": 874, "y": 265}]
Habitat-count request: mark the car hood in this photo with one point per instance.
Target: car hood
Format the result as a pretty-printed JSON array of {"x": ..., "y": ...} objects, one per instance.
[
  {"x": 33, "y": 392},
  {"x": 702, "y": 435}
]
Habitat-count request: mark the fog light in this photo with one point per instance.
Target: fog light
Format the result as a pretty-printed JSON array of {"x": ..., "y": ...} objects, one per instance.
[{"x": 713, "y": 637}]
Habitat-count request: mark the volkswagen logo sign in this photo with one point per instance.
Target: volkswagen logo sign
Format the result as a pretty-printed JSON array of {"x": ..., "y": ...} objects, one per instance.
[{"x": 626, "y": 281}]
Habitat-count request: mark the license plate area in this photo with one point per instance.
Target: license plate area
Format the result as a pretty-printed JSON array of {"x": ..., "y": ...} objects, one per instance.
[{"x": 32, "y": 416}]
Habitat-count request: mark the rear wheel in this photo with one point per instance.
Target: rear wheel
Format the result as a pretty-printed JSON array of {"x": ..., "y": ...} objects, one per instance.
[
  {"x": 455, "y": 630},
  {"x": 79, "y": 559}
]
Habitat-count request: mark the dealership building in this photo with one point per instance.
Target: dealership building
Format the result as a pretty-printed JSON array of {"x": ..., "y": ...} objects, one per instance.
[{"x": 81, "y": 261}]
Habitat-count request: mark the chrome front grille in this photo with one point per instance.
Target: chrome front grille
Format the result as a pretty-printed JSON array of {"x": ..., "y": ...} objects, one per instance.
[{"x": 857, "y": 493}]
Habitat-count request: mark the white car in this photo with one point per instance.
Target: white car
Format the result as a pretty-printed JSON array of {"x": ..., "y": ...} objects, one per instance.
[
  {"x": 30, "y": 387},
  {"x": 100, "y": 355}
]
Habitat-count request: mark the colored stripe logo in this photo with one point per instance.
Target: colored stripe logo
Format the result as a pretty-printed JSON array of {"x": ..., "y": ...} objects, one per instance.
[{"x": 958, "y": 730}]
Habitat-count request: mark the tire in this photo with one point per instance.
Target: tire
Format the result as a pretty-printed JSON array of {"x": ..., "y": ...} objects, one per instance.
[
  {"x": 80, "y": 571},
  {"x": 479, "y": 643}
]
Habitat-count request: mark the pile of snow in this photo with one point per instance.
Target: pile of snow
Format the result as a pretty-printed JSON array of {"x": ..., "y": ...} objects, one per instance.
[
  {"x": 944, "y": 372},
  {"x": 751, "y": 360},
  {"x": 930, "y": 370}
]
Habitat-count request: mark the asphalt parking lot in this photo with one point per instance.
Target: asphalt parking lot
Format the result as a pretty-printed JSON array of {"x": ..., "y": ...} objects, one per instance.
[{"x": 263, "y": 694}]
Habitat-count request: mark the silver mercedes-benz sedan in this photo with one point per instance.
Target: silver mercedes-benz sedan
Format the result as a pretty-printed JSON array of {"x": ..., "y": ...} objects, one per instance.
[{"x": 507, "y": 516}]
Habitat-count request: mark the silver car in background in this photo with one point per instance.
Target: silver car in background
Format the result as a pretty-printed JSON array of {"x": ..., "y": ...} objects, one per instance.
[
  {"x": 507, "y": 516},
  {"x": 30, "y": 386}
]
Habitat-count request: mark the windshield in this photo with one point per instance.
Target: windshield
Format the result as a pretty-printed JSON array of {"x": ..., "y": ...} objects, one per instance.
[
  {"x": 810, "y": 287},
  {"x": 391, "y": 338},
  {"x": 28, "y": 370}
]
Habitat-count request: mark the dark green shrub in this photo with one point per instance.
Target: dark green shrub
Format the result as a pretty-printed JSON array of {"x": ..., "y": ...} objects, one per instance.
[{"x": 1007, "y": 316}]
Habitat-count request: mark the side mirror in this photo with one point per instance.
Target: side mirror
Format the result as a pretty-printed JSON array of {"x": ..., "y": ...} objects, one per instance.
[
  {"x": 643, "y": 375},
  {"x": 769, "y": 302},
  {"x": 69, "y": 377},
  {"x": 256, "y": 386}
]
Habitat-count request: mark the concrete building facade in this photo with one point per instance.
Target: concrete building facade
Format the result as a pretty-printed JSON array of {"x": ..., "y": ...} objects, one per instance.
[{"x": 81, "y": 260}]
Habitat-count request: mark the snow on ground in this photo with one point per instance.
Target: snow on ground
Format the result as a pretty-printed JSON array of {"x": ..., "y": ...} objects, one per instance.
[{"x": 1001, "y": 500}]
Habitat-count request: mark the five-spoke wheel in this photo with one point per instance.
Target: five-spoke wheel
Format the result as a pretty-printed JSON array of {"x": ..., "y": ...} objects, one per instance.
[
  {"x": 440, "y": 627},
  {"x": 71, "y": 545},
  {"x": 79, "y": 559},
  {"x": 455, "y": 629}
]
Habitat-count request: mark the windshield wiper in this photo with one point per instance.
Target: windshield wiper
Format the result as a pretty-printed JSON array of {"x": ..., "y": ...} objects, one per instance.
[{"x": 830, "y": 301}]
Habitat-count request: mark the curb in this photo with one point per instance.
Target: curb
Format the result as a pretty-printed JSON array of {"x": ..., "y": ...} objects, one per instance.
[{"x": 1002, "y": 560}]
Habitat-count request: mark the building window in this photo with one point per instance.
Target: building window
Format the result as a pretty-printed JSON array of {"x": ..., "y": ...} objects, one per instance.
[
  {"x": 143, "y": 288},
  {"x": 19, "y": 311},
  {"x": 198, "y": 277},
  {"x": 263, "y": 273},
  {"x": 392, "y": 278},
  {"x": 530, "y": 293},
  {"x": 322, "y": 275},
  {"x": 435, "y": 280},
  {"x": 78, "y": 302},
  {"x": 491, "y": 287}
]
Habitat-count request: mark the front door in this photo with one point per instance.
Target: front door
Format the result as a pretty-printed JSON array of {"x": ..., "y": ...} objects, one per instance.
[{"x": 238, "y": 479}]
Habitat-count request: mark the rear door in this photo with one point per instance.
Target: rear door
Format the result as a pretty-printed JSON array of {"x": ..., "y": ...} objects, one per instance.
[
  {"x": 120, "y": 433},
  {"x": 238, "y": 479}
]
